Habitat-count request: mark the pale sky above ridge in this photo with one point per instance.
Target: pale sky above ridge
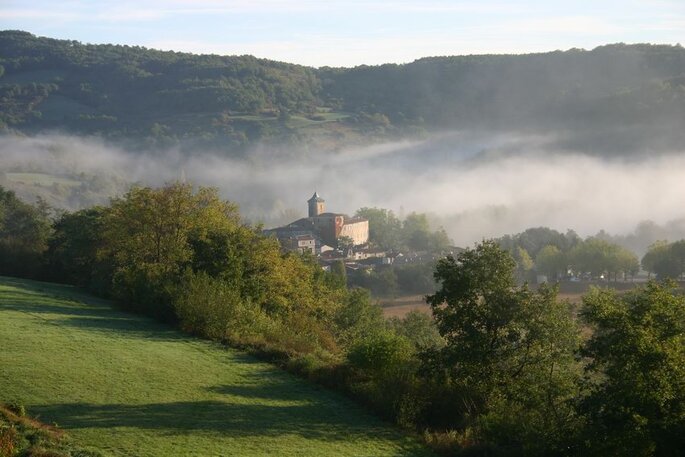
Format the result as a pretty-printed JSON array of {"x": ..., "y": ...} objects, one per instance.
[{"x": 350, "y": 32}]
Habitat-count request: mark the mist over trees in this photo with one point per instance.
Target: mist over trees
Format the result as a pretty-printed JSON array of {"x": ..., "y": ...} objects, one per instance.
[
  {"x": 503, "y": 369},
  {"x": 557, "y": 256},
  {"x": 665, "y": 260}
]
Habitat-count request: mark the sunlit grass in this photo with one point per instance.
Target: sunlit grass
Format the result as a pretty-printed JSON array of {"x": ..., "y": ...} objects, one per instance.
[{"x": 126, "y": 385}]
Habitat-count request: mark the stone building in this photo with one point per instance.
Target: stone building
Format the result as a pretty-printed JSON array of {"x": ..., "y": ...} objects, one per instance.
[
  {"x": 328, "y": 228},
  {"x": 332, "y": 226}
]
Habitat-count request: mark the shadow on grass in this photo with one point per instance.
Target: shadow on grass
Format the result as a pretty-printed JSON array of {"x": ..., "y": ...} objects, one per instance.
[
  {"x": 136, "y": 327},
  {"x": 273, "y": 388},
  {"x": 67, "y": 307},
  {"x": 310, "y": 420},
  {"x": 60, "y": 291}
]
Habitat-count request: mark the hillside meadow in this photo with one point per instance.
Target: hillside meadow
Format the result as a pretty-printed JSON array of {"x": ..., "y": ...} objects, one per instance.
[{"x": 124, "y": 385}]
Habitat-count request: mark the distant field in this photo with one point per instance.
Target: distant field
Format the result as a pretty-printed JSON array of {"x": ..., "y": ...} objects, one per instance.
[
  {"x": 41, "y": 179},
  {"x": 571, "y": 291},
  {"x": 400, "y": 306},
  {"x": 128, "y": 386}
]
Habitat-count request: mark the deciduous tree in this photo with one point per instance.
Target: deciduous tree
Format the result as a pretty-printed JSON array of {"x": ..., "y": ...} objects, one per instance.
[{"x": 636, "y": 374}]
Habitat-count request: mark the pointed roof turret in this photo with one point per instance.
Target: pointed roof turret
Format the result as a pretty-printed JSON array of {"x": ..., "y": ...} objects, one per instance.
[{"x": 316, "y": 198}]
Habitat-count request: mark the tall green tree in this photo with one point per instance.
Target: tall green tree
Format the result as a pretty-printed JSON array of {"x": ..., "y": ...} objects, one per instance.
[
  {"x": 24, "y": 233},
  {"x": 636, "y": 374},
  {"x": 524, "y": 264},
  {"x": 603, "y": 258},
  {"x": 551, "y": 262},
  {"x": 73, "y": 250},
  {"x": 147, "y": 234},
  {"x": 666, "y": 260},
  {"x": 655, "y": 254},
  {"x": 384, "y": 227},
  {"x": 510, "y": 348}
]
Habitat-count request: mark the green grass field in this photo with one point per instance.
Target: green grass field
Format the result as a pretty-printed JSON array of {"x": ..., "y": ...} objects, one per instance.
[{"x": 128, "y": 386}]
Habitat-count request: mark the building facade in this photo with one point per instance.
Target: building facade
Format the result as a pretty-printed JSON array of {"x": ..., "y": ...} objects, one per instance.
[{"x": 328, "y": 228}]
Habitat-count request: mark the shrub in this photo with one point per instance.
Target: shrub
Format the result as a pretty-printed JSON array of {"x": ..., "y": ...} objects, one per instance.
[
  {"x": 17, "y": 408},
  {"x": 380, "y": 352},
  {"x": 8, "y": 440},
  {"x": 210, "y": 307}
]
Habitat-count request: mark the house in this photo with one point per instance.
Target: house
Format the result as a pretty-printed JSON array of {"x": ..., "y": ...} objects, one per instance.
[{"x": 301, "y": 243}]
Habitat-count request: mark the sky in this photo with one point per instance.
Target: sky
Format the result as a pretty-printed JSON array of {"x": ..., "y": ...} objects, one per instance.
[{"x": 350, "y": 32}]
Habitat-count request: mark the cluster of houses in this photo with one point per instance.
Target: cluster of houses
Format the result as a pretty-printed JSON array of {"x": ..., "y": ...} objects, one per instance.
[{"x": 333, "y": 237}]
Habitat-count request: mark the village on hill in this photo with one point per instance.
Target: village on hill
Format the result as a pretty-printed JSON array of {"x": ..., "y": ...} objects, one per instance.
[{"x": 336, "y": 237}]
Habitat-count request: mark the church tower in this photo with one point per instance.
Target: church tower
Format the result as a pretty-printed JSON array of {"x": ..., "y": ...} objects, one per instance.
[{"x": 316, "y": 205}]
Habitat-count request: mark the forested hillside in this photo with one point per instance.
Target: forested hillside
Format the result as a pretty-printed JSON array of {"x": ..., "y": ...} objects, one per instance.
[
  {"x": 165, "y": 98},
  {"x": 618, "y": 80}
]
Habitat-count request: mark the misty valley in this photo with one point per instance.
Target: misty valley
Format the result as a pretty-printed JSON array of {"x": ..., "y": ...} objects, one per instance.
[{"x": 478, "y": 255}]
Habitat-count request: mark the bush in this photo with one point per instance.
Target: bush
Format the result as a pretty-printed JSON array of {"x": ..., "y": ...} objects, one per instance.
[
  {"x": 8, "y": 440},
  {"x": 357, "y": 317},
  {"x": 380, "y": 353},
  {"x": 17, "y": 408},
  {"x": 211, "y": 308},
  {"x": 420, "y": 329}
]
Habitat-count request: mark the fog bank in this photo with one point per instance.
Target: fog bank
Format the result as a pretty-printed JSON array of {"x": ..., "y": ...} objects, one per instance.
[{"x": 475, "y": 185}]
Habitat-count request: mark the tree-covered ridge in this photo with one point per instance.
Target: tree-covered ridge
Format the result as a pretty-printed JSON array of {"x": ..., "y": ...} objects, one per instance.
[
  {"x": 231, "y": 101},
  {"x": 547, "y": 87},
  {"x": 97, "y": 88}
]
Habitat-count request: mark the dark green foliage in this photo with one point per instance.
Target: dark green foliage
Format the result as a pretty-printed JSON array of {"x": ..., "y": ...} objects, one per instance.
[
  {"x": 599, "y": 257},
  {"x": 636, "y": 374},
  {"x": 357, "y": 317},
  {"x": 24, "y": 233},
  {"x": 415, "y": 278},
  {"x": 73, "y": 247},
  {"x": 389, "y": 280},
  {"x": 380, "y": 353},
  {"x": 214, "y": 309},
  {"x": 551, "y": 262},
  {"x": 533, "y": 240},
  {"x": 384, "y": 227},
  {"x": 339, "y": 273},
  {"x": 158, "y": 99},
  {"x": 507, "y": 90},
  {"x": 666, "y": 260},
  {"x": 420, "y": 329},
  {"x": 381, "y": 281},
  {"x": 555, "y": 254},
  {"x": 508, "y": 348},
  {"x": 413, "y": 233}
]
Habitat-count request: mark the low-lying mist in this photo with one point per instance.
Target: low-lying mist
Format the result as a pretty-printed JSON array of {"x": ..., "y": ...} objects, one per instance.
[{"x": 475, "y": 185}]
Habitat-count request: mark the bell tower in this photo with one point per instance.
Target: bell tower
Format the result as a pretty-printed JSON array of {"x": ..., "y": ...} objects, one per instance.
[{"x": 316, "y": 205}]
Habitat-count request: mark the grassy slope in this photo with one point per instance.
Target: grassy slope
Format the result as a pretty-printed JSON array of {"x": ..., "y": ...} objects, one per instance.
[{"x": 129, "y": 386}]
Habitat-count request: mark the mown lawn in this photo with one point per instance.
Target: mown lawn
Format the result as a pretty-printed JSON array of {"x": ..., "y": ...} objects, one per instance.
[{"x": 128, "y": 386}]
